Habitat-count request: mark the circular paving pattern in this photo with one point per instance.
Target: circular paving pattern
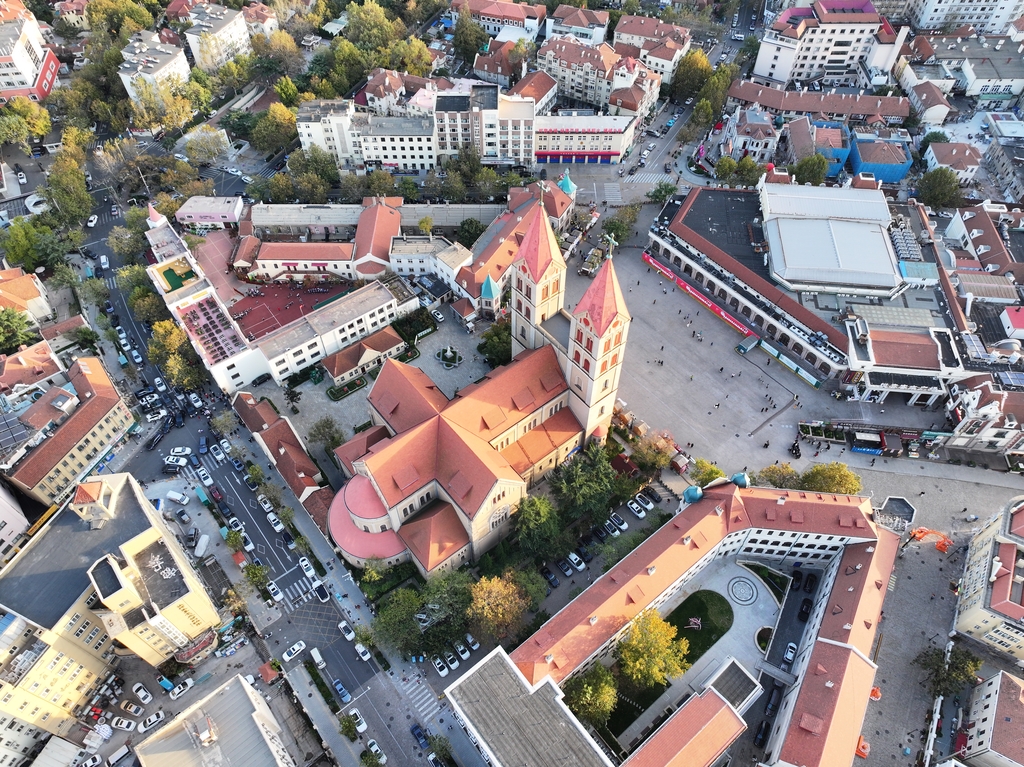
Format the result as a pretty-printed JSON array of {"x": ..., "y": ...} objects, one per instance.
[{"x": 742, "y": 591}]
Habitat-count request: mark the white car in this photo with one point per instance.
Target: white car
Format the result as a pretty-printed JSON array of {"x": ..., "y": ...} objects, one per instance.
[
  {"x": 373, "y": 748},
  {"x": 461, "y": 650},
  {"x": 293, "y": 651},
  {"x": 247, "y": 544},
  {"x": 182, "y": 688},
  {"x": 451, "y": 660},
  {"x": 94, "y": 760},
  {"x": 275, "y": 522},
  {"x": 22, "y": 178},
  {"x": 176, "y": 460},
  {"x": 346, "y": 631},
  {"x": 156, "y": 415},
  {"x": 473, "y": 644},
  {"x": 93, "y": 220},
  {"x": 264, "y": 502},
  {"x": 121, "y": 334},
  {"x": 307, "y": 568},
  {"x": 194, "y": 399},
  {"x": 216, "y": 452},
  {"x": 142, "y": 693},
  {"x": 136, "y": 357},
  {"x": 152, "y": 721},
  {"x": 181, "y": 451},
  {"x": 360, "y": 722},
  {"x": 437, "y": 315},
  {"x": 204, "y": 476},
  {"x": 644, "y": 501},
  {"x": 575, "y": 561},
  {"x": 158, "y": 382},
  {"x": 236, "y": 524},
  {"x": 247, "y": 179},
  {"x": 442, "y": 670},
  {"x": 234, "y": 171},
  {"x": 362, "y": 652},
  {"x": 275, "y": 592},
  {"x": 180, "y": 156},
  {"x": 225, "y": 446},
  {"x": 120, "y": 723},
  {"x": 634, "y": 507}
]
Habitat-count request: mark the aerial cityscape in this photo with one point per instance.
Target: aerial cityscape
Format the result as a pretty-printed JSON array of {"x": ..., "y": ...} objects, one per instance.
[{"x": 579, "y": 383}]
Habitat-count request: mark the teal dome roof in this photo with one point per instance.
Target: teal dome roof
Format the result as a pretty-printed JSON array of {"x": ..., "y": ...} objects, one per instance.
[
  {"x": 566, "y": 185},
  {"x": 490, "y": 289}
]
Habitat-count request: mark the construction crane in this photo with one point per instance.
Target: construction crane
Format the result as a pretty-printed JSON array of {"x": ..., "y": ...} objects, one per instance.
[{"x": 942, "y": 541}]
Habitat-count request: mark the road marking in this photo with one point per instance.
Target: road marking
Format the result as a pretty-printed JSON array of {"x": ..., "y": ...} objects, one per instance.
[{"x": 613, "y": 193}]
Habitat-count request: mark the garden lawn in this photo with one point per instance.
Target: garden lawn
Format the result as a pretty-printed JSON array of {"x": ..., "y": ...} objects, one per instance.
[
  {"x": 631, "y": 704},
  {"x": 715, "y": 615}
]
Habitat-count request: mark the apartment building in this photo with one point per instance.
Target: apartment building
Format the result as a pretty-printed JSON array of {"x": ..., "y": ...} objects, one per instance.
[
  {"x": 1004, "y": 160},
  {"x": 503, "y": 20},
  {"x": 963, "y": 159},
  {"x": 498, "y": 65},
  {"x": 260, "y": 19},
  {"x": 104, "y": 568},
  {"x": 28, "y": 67},
  {"x": 13, "y": 524},
  {"x": 996, "y": 706},
  {"x": 987, "y": 16},
  {"x": 590, "y": 27},
  {"x": 399, "y": 143},
  {"x": 149, "y": 61},
  {"x": 26, "y": 375},
  {"x": 72, "y": 429},
  {"x": 336, "y": 127},
  {"x": 988, "y": 416},
  {"x": 588, "y": 139},
  {"x": 216, "y": 36},
  {"x": 839, "y": 107},
  {"x": 539, "y": 86},
  {"x": 838, "y": 41},
  {"x": 598, "y": 75},
  {"x": 501, "y": 127},
  {"x": 750, "y": 132},
  {"x": 989, "y": 607},
  {"x": 658, "y": 45}
]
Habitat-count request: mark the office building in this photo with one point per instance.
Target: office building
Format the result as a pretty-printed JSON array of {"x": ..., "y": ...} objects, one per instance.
[{"x": 216, "y": 36}]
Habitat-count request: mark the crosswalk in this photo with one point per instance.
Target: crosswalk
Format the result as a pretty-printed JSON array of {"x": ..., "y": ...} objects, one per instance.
[
  {"x": 612, "y": 194},
  {"x": 296, "y": 594},
  {"x": 418, "y": 693},
  {"x": 648, "y": 178}
]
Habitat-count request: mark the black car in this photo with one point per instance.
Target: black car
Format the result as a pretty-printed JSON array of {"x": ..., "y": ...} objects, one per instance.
[
  {"x": 154, "y": 440},
  {"x": 668, "y": 167},
  {"x": 762, "y": 734},
  {"x": 168, "y": 424},
  {"x": 805, "y": 610},
  {"x": 652, "y": 495},
  {"x": 584, "y": 553},
  {"x": 140, "y": 393},
  {"x": 17, "y": 168},
  {"x": 798, "y": 578},
  {"x": 601, "y": 533},
  {"x": 260, "y": 379},
  {"x": 179, "y": 421},
  {"x": 586, "y": 540},
  {"x": 810, "y": 583},
  {"x": 194, "y": 460},
  {"x": 190, "y": 409},
  {"x": 420, "y": 736},
  {"x": 171, "y": 469},
  {"x": 549, "y": 577}
]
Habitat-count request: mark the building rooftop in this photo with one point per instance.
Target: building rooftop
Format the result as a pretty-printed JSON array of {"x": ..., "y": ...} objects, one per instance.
[
  {"x": 522, "y": 723},
  {"x": 209, "y": 328},
  {"x": 27, "y": 366},
  {"x": 52, "y": 572},
  {"x": 230, "y": 727},
  {"x": 586, "y": 124},
  {"x": 379, "y": 125},
  {"x": 209, "y": 18},
  {"x": 535, "y": 85},
  {"x": 810, "y": 102},
  {"x": 145, "y": 53}
]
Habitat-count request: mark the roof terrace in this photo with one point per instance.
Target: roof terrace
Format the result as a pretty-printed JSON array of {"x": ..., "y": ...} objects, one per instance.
[{"x": 211, "y": 330}]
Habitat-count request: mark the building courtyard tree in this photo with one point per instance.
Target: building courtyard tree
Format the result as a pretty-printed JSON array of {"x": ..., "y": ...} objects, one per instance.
[{"x": 650, "y": 654}]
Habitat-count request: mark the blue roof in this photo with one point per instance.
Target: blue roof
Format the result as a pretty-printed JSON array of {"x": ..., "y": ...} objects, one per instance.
[
  {"x": 566, "y": 185},
  {"x": 490, "y": 289}
]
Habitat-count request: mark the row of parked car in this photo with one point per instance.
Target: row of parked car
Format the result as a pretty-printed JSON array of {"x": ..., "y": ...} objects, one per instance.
[{"x": 447, "y": 661}]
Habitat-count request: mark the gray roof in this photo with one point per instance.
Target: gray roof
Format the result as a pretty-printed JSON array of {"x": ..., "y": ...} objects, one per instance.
[
  {"x": 399, "y": 126},
  {"x": 520, "y": 726},
  {"x": 52, "y": 573},
  {"x": 321, "y": 322},
  {"x": 484, "y": 96},
  {"x": 449, "y": 103},
  {"x": 231, "y": 727}
]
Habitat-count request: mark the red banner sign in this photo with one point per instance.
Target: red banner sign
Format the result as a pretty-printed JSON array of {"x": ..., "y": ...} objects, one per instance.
[{"x": 707, "y": 302}]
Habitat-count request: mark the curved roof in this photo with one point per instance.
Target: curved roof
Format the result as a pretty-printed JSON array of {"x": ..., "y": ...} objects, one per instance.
[
  {"x": 566, "y": 184},
  {"x": 359, "y": 544}
]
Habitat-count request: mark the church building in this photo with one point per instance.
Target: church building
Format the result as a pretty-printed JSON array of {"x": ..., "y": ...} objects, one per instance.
[{"x": 436, "y": 480}]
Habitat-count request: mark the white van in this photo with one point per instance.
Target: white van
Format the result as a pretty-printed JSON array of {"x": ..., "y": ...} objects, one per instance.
[
  {"x": 201, "y": 546},
  {"x": 317, "y": 658},
  {"x": 118, "y": 756},
  {"x": 177, "y": 497}
]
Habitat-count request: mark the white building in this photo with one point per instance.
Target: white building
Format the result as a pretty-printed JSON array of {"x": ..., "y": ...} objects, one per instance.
[
  {"x": 216, "y": 36},
  {"x": 750, "y": 132},
  {"x": 591, "y": 139},
  {"x": 962, "y": 159},
  {"x": 986, "y": 17},
  {"x": 335, "y": 127},
  {"x": 500, "y": 127},
  {"x": 148, "y": 60},
  {"x": 505, "y": 21},
  {"x": 590, "y": 27},
  {"x": 993, "y": 724},
  {"x": 658, "y": 45},
  {"x": 399, "y": 143},
  {"x": 260, "y": 19},
  {"x": 829, "y": 40}
]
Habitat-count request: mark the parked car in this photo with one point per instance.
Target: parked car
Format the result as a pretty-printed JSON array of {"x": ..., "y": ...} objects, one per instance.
[
  {"x": 234, "y": 523},
  {"x": 204, "y": 445},
  {"x": 307, "y": 568},
  {"x": 152, "y": 721},
  {"x": 176, "y": 460},
  {"x": 225, "y": 446},
  {"x": 790, "y": 652},
  {"x": 805, "y": 610},
  {"x": 342, "y": 692},
  {"x": 216, "y": 452},
  {"x": 247, "y": 544},
  {"x": 275, "y": 522},
  {"x": 601, "y": 533},
  {"x": 362, "y": 652},
  {"x": 576, "y": 561},
  {"x": 292, "y": 652},
  {"x": 274, "y": 591},
  {"x": 265, "y": 503},
  {"x": 182, "y": 688},
  {"x": 346, "y": 631},
  {"x": 618, "y": 521},
  {"x": 142, "y": 693},
  {"x": 322, "y": 594},
  {"x": 249, "y": 483},
  {"x": 761, "y": 737},
  {"x": 565, "y": 568},
  {"x": 93, "y": 219},
  {"x": 584, "y": 553},
  {"x": 181, "y": 451},
  {"x": 550, "y": 577},
  {"x": 419, "y": 735},
  {"x": 360, "y": 722},
  {"x": 154, "y": 441},
  {"x": 204, "y": 476},
  {"x": 216, "y": 494},
  {"x": 437, "y": 315},
  {"x": 810, "y": 582},
  {"x": 644, "y": 501},
  {"x": 461, "y": 650},
  {"x": 634, "y": 507},
  {"x": 473, "y": 644},
  {"x": 611, "y": 529},
  {"x": 798, "y": 579},
  {"x": 451, "y": 660},
  {"x": 439, "y": 666},
  {"x": 373, "y": 748},
  {"x": 238, "y": 465},
  {"x": 120, "y": 723},
  {"x": 182, "y": 516},
  {"x": 132, "y": 708}
]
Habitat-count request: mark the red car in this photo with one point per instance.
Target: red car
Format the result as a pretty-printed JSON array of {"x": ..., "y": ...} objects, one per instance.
[{"x": 216, "y": 493}]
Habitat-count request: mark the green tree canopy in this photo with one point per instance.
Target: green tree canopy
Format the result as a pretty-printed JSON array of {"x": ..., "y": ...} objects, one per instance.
[
  {"x": 703, "y": 472},
  {"x": 469, "y": 231},
  {"x": 370, "y": 29},
  {"x": 36, "y": 118},
  {"x": 692, "y": 72},
  {"x": 380, "y": 183},
  {"x": 70, "y": 202},
  {"x": 932, "y": 137},
  {"x": 275, "y": 129},
  {"x": 314, "y": 160},
  {"x": 592, "y": 695},
  {"x": 496, "y": 343},
  {"x": 939, "y": 188},
  {"x": 778, "y": 475},
  {"x": 748, "y": 172},
  {"x": 498, "y": 606},
  {"x": 469, "y": 37},
  {"x": 395, "y": 625},
  {"x": 538, "y": 527},
  {"x": 811, "y": 170},
  {"x": 327, "y": 432},
  {"x": 661, "y": 192},
  {"x": 650, "y": 654},
  {"x": 725, "y": 168},
  {"x": 583, "y": 486},
  {"x": 948, "y": 680},
  {"x": 832, "y": 477},
  {"x": 14, "y": 330}
]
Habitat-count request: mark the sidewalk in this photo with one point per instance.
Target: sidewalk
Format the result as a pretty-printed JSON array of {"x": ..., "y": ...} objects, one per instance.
[{"x": 324, "y": 721}]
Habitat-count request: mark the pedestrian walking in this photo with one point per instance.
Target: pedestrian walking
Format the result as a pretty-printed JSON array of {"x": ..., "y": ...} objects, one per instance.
[
  {"x": 663, "y": 348},
  {"x": 654, "y": 301}
]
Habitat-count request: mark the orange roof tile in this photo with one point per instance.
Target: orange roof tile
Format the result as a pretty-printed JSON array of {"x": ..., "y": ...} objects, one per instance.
[
  {"x": 295, "y": 251},
  {"x": 434, "y": 535},
  {"x": 357, "y": 354},
  {"x": 318, "y": 506},
  {"x": 694, "y": 736},
  {"x": 27, "y": 366},
  {"x": 360, "y": 445},
  {"x": 41, "y": 413},
  {"x": 905, "y": 350},
  {"x": 602, "y": 302},
  {"x": 97, "y": 397},
  {"x": 535, "y": 85},
  {"x": 405, "y": 396},
  {"x": 1007, "y": 718},
  {"x": 17, "y": 289},
  {"x": 290, "y": 457},
  {"x": 539, "y": 248},
  {"x": 355, "y": 541},
  {"x": 378, "y": 223},
  {"x": 256, "y": 415},
  {"x": 88, "y": 492},
  {"x": 538, "y": 443},
  {"x": 54, "y": 331}
]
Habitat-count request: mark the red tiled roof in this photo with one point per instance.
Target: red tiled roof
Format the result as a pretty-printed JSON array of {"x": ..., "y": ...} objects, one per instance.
[
  {"x": 359, "y": 353},
  {"x": 351, "y": 538},
  {"x": 602, "y": 303},
  {"x": 258, "y": 13},
  {"x": 256, "y": 415},
  {"x": 571, "y": 16},
  {"x": 653, "y": 29},
  {"x": 360, "y": 445},
  {"x": 318, "y": 506},
  {"x": 885, "y": 152},
  {"x": 694, "y": 736},
  {"x": 54, "y": 331},
  {"x": 41, "y": 413},
  {"x": 97, "y": 397},
  {"x": 809, "y": 102},
  {"x": 905, "y": 350},
  {"x": 537, "y": 444},
  {"x": 1007, "y": 718},
  {"x": 405, "y": 396},
  {"x": 29, "y": 365},
  {"x": 88, "y": 492},
  {"x": 378, "y": 223},
  {"x": 497, "y": 60},
  {"x": 17, "y": 289},
  {"x": 496, "y": 9},
  {"x": 289, "y": 455},
  {"x": 535, "y": 85},
  {"x": 434, "y": 535},
  {"x": 956, "y": 155},
  {"x": 496, "y": 249},
  {"x": 539, "y": 248}
]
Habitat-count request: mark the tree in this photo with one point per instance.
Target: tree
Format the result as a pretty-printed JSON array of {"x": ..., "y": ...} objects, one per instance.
[
  {"x": 832, "y": 477},
  {"x": 395, "y": 625},
  {"x": 468, "y": 37},
  {"x": 498, "y": 606},
  {"x": 811, "y": 170},
  {"x": 14, "y": 330},
  {"x": 692, "y": 72},
  {"x": 286, "y": 514},
  {"x": 532, "y": 584},
  {"x": 432, "y": 186},
  {"x": 113, "y": 15},
  {"x": 234, "y": 540},
  {"x": 662, "y": 192},
  {"x": 380, "y": 183},
  {"x": 257, "y": 575},
  {"x": 276, "y": 55},
  {"x": 125, "y": 242},
  {"x": 94, "y": 291},
  {"x": 725, "y": 168},
  {"x": 13, "y": 130},
  {"x": 184, "y": 369},
  {"x": 939, "y": 188},
  {"x": 369, "y": 759},
  {"x": 310, "y": 188},
  {"x": 292, "y": 396},
  {"x": 374, "y": 569},
  {"x": 932, "y": 137},
  {"x": 347, "y": 727},
  {"x": 748, "y": 172},
  {"x": 70, "y": 202},
  {"x": 653, "y": 452},
  {"x": 449, "y": 595},
  {"x": 150, "y": 308},
  {"x": 650, "y": 654},
  {"x": 948, "y": 679},
  {"x": 167, "y": 339},
  {"x": 703, "y": 115},
  {"x": 592, "y": 696},
  {"x": 36, "y": 118},
  {"x": 702, "y": 472},
  {"x": 353, "y": 187},
  {"x": 496, "y": 344},
  {"x": 328, "y": 433},
  {"x": 129, "y": 278},
  {"x": 750, "y": 48},
  {"x": 63, "y": 277},
  {"x": 205, "y": 144},
  {"x": 407, "y": 189},
  {"x": 778, "y": 475},
  {"x": 275, "y": 129},
  {"x": 412, "y": 57},
  {"x": 538, "y": 527},
  {"x": 453, "y": 189},
  {"x": 255, "y": 474},
  {"x": 469, "y": 231},
  {"x": 441, "y": 746},
  {"x": 314, "y": 160},
  {"x": 426, "y": 225},
  {"x": 272, "y": 492},
  {"x": 370, "y": 29},
  {"x": 583, "y": 486},
  {"x": 224, "y": 423},
  {"x": 22, "y": 241}
]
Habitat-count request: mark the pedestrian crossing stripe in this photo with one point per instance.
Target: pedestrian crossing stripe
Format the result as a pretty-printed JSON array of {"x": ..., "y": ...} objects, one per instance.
[
  {"x": 649, "y": 178},
  {"x": 419, "y": 694}
]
